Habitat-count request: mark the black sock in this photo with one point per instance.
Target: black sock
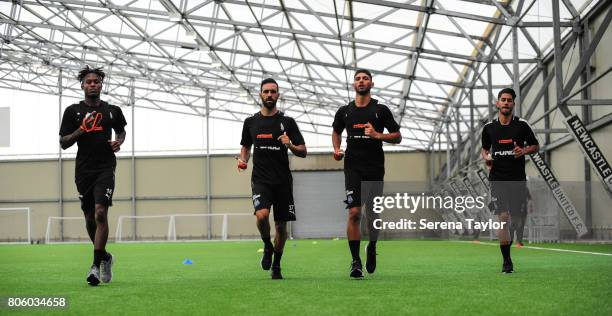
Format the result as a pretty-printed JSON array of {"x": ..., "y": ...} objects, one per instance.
[
  {"x": 372, "y": 244},
  {"x": 99, "y": 255},
  {"x": 277, "y": 259},
  {"x": 505, "y": 250},
  {"x": 354, "y": 246},
  {"x": 267, "y": 243},
  {"x": 504, "y": 253}
]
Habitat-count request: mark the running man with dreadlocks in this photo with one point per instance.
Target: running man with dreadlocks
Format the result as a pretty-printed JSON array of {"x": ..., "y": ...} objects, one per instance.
[{"x": 89, "y": 123}]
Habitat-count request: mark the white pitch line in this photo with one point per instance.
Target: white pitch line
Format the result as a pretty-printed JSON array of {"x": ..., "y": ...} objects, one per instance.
[{"x": 542, "y": 248}]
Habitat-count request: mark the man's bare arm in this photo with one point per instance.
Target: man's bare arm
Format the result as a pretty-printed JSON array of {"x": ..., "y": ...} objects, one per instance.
[
  {"x": 299, "y": 150},
  {"x": 70, "y": 139},
  {"x": 336, "y": 141},
  {"x": 245, "y": 153},
  {"x": 119, "y": 139},
  {"x": 393, "y": 138},
  {"x": 485, "y": 154}
]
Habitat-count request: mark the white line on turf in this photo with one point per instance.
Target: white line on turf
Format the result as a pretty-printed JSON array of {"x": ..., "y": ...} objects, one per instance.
[{"x": 541, "y": 248}]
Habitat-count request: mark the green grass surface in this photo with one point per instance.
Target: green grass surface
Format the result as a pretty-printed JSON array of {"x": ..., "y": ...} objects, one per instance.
[{"x": 413, "y": 277}]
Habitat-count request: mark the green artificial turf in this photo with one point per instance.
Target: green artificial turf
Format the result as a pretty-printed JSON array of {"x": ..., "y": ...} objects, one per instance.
[{"x": 413, "y": 277}]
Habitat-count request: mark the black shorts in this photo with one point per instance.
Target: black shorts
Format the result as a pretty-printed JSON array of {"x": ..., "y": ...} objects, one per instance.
[
  {"x": 95, "y": 188},
  {"x": 508, "y": 196},
  {"x": 373, "y": 185},
  {"x": 278, "y": 195}
]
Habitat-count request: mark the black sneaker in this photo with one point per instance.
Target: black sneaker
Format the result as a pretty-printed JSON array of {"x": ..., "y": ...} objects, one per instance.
[
  {"x": 93, "y": 276},
  {"x": 356, "y": 269},
  {"x": 508, "y": 267},
  {"x": 371, "y": 258},
  {"x": 276, "y": 273},
  {"x": 266, "y": 260}
]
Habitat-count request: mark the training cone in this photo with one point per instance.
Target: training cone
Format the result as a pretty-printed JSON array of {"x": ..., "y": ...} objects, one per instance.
[{"x": 187, "y": 261}]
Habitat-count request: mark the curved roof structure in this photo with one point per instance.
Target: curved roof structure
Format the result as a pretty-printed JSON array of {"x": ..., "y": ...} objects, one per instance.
[{"x": 208, "y": 57}]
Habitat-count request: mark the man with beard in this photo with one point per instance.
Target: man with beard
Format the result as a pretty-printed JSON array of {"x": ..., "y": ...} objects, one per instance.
[
  {"x": 505, "y": 142},
  {"x": 365, "y": 121},
  {"x": 272, "y": 133},
  {"x": 89, "y": 124}
]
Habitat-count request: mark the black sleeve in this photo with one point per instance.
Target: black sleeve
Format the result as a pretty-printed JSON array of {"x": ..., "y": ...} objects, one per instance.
[
  {"x": 246, "y": 140},
  {"x": 388, "y": 119},
  {"x": 293, "y": 132},
  {"x": 69, "y": 122},
  {"x": 338, "y": 123},
  {"x": 119, "y": 122},
  {"x": 486, "y": 138},
  {"x": 530, "y": 138}
]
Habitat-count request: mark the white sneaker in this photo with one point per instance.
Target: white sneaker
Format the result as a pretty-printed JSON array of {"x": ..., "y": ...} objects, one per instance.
[
  {"x": 106, "y": 269},
  {"x": 93, "y": 276}
]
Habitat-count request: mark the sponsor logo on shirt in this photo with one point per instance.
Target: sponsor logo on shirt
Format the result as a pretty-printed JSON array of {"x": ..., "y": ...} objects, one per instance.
[
  {"x": 505, "y": 141},
  {"x": 503, "y": 153},
  {"x": 269, "y": 147},
  {"x": 359, "y": 125},
  {"x": 267, "y": 136}
]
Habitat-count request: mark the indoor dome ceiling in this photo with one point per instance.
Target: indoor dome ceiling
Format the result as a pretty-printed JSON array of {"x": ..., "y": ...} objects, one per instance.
[{"x": 425, "y": 55}]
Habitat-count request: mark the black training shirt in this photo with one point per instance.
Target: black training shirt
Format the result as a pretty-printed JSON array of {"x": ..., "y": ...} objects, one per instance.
[
  {"x": 94, "y": 153},
  {"x": 499, "y": 140},
  {"x": 270, "y": 158},
  {"x": 362, "y": 151}
]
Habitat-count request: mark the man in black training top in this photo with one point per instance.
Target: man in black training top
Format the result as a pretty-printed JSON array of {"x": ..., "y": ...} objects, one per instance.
[
  {"x": 505, "y": 142},
  {"x": 365, "y": 121},
  {"x": 272, "y": 133},
  {"x": 89, "y": 124}
]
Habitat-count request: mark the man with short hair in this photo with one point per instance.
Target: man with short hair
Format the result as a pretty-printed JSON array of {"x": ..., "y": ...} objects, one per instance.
[
  {"x": 365, "y": 121},
  {"x": 89, "y": 123},
  {"x": 271, "y": 133},
  {"x": 505, "y": 142}
]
